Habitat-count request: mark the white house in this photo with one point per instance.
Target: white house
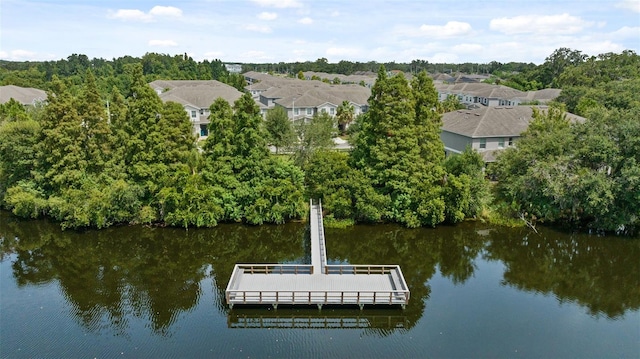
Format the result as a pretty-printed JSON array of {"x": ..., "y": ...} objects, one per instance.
[
  {"x": 487, "y": 129},
  {"x": 196, "y": 97}
]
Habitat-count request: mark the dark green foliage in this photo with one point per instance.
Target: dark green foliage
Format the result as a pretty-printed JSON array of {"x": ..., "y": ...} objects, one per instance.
[
  {"x": 313, "y": 135},
  {"x": 279, "y": 128},
  {"x": 398, "y": 148},
  {"x": 451, "y": 103},
  {"x": 61, "y": 161},
  {"x": 345, "y": 192},
  {"x": 249, "y": 134},
  {"x": 97, "y": 136},
  {"x": 245, "y": 182},
  {"x": 12, "y": 111},
  {"x": 345, "y": 116},
  {"x": 221, "y": 127},
  {"x": 469, "y": 166},
  {"x": 18, "y": 139},
  {"x": 586, "y": 174}
]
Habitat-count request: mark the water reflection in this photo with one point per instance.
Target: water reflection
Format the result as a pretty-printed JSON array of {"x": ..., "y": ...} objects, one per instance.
[
  {"x": 601, "y": 274},
  {"x": 112, "y": 276},
  {"x": 380, "y": 322}
]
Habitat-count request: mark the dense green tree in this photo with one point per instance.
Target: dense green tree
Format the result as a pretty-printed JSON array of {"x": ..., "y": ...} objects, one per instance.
[
  {"x": 221, "y": 130},
  {"x": 12, "y": 111},
  {"x": 345, "y": 192},
  {"x": 249, "y": 135},
  {"x": 97, "y": 137},
  {"x": 394, "y": 151},
  {"x": 139, "y": 126},
  {"x": 585, "y": 174},
  {"x": 313, "y": 134},
  {"x": 18, "y": 139},
  {"x": 61, "y": 161},
  {"x": 279, "y": 128},
  {"x": 470, "y": 164},
  {"x": 451, "y": 103}
]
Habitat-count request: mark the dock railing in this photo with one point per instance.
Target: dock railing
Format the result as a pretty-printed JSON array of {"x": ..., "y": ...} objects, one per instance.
[
  {"x": 275, "y": 268},
  {"x": 317, "y": 297}
]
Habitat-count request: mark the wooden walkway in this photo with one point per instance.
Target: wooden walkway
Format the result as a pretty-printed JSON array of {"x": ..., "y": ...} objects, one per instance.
[{"x": 318, "y": 283}]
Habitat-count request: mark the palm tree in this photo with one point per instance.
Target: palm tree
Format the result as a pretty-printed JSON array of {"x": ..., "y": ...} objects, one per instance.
[{"x": 344, "y": 116}]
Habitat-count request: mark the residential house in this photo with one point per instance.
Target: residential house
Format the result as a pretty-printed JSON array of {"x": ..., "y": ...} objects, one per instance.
[
  {"x": 27, "y": 96},
  {"x": 484, "y": 94},
  {"x": 302, "y": 99},
  {"x": 487, "y": 130},
  {"x": 233, "y": 68},
  {"x": 196, "y": 97}
]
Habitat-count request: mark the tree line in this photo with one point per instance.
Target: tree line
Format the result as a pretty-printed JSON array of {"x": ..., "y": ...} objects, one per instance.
[
  {"x": 87, "y": 165},
  {"x": 137, "y": 161}
]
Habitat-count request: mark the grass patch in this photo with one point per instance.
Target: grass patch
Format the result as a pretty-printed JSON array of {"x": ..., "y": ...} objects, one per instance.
[{"x": 330, "y": 222}]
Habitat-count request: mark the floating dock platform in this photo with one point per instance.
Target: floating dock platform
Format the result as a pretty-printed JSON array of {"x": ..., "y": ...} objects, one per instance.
[{"x": 317, "y": 283}]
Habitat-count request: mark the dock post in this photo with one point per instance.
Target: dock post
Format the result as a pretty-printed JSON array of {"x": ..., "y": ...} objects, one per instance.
[
  {"x": 361, "y": 306},
  {"x": 319, "y": 306}
]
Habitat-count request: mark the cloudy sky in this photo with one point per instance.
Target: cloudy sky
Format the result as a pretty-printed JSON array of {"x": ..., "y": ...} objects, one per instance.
[{"x": 300, "y": 30}]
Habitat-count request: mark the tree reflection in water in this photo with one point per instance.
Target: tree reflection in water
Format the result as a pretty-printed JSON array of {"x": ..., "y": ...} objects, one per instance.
[
  {"x": 601, "y": 274},
  {"x": 111, "y": 276}
]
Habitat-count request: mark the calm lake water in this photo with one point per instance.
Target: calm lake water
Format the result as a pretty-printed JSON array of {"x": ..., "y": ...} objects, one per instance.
[{"x": 476, "y": 291}]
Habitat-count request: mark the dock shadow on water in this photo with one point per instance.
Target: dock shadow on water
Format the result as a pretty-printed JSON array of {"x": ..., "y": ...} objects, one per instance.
[{"x": 112, "y": 277}]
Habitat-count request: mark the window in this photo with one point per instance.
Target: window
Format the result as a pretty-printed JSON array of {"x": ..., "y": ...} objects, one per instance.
[
  {"x": 296, "y": 111},
  {"x": 332, "y": 111},
  {"x": 324, "y": 110},
  {"x": 193, "y": 114},
  {"x": 510, "y": 141},
  {"x": 483, "y": 143},
  {"x": 309, "y": 111},
  {"x": 501, "y": 142}
]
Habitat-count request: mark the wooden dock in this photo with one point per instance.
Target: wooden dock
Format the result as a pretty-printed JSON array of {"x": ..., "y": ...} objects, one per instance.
[{"x": 317, "y": 283}]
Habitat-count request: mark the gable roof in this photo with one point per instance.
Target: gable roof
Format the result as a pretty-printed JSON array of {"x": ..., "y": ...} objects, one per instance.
[
  {"x": 24, "y": 95},
  {"x": 498, "y": 121},
  {"x": 199, "y": 94}
]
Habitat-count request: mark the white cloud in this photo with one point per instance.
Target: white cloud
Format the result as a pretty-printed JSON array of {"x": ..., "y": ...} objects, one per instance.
[
  {"x": 162, "y": 43},
  {"x": 130, "y": 15},
  {"x": 268, "y": 16},
  {"x": 342, "y": 52},
  {"x": 549, "y": 24},
  {"x": 335, "y": 13},
  {"x": 467, "y": 48},
  {"x": 258, "y": 28},
  {"x": 254, "y": 56},
  {"x": 443, "y": 57},
  {"x": 139, "y": 15},
  {"x": 450, "y": 29},
  {"x": 25, "y": 55},
  {"x": 626, "y": 32},
  {"x": 210, "y": 55},
  {"x": 281, "y": 4},
  {"x": 165, "y": 11},
  {"x": 633, "y": 5},
  {"x": 306, "y": 21}
]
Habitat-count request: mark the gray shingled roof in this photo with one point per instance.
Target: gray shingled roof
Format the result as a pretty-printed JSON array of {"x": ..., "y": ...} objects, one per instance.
[
  {"x": 544, "y": 95},
  {"x": 24, "y": 95},
  {"x": 200, "y": 94},
  {"x": 498, "y": 121}
]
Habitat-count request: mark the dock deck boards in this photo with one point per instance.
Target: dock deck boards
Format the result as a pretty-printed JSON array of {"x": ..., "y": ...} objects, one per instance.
[{"x": 318, "y": 283}]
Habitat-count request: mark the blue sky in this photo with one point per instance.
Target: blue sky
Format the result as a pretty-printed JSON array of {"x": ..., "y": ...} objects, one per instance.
[{"x": 300, "y": 30}]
